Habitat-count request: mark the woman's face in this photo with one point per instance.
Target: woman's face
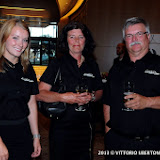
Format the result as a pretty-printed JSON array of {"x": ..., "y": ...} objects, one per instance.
[
  {"x": 76, "y": 41},
  {"x": 16, "y": 44}
]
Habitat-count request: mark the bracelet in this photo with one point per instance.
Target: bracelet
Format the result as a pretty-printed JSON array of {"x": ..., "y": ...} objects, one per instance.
[{"x": 36, "y": 136}]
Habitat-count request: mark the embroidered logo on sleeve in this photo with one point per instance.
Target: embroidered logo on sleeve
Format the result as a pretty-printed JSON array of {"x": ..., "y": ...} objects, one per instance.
[
  {"x": 88, "y": 75},
  {"x": 26, "y": 79},
  {"x": 151, "y": 72}
]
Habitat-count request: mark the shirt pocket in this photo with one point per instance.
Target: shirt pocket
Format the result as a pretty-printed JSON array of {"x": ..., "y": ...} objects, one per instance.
[{"x": 152, "y": 85}]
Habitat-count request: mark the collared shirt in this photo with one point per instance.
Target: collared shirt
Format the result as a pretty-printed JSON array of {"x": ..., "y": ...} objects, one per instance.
[
  {"x": 15, "y": 91},
  {"x": 145, "y": 73},
  {"x": 71, "y": 76}
]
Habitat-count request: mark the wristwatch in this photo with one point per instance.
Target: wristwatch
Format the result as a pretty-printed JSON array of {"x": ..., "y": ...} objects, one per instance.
[{"x": 93, "y": 97}]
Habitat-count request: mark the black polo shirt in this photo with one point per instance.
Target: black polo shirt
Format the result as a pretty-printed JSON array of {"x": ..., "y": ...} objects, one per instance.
[
  {"x": 15, "y": 91},
  {"x": 145, "y": 73},
  {"x": 71, "y": 76}
]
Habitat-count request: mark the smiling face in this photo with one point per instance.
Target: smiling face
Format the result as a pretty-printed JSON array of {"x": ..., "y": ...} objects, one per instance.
[
  {"x": 137, "y": 41},
  {"x": 16, "y": 44},
  {"x": 76, "y": 41}
]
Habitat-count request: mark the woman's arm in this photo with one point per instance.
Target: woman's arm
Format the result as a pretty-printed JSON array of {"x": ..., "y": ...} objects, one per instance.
[
  {"x": 49, "y": 96},
  {"x": 33, "y": 121},
  {"x": 45, "y": 94},
  {"x": 3, "y": 150}
]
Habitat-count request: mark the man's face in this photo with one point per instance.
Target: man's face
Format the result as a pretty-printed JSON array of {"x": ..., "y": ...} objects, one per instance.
[
  {"x": 137, "y": 41},
  {"x": 120, "y": 49}
]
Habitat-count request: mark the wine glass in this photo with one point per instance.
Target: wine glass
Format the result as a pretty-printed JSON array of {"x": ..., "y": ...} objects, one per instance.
[
  {"x": 81, "y": 88},
  {"x": 128, "y": 89}
]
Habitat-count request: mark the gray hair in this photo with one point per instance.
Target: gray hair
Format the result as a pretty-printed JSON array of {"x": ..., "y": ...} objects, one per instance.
[{"x": 133, "y": 21}]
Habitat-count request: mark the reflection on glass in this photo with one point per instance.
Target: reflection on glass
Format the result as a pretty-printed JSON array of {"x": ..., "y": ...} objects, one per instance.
[
  {"x": 45, "y": 59},
  {"x": 45, "y": 49},
  {"x": 49, "y": 31},
  {"x": 35, "y": 52},
  {"x": 31, "y": 56},
  {"x": 37, "y": 57},
  {"x": 52, "y": 50},
  {"x": 42, "y": 51}
]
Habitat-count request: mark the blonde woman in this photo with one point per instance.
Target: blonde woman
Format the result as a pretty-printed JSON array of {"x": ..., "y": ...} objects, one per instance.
[{"x": 19, "y": 135}]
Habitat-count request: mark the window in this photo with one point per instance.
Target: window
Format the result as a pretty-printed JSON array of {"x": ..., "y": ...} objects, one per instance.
[
  {"x": 43, "y": 44},
  {"x": 49, "y": 31}
]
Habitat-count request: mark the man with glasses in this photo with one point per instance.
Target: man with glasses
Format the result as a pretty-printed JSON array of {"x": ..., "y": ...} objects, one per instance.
[{"x": 132, "y": 116}]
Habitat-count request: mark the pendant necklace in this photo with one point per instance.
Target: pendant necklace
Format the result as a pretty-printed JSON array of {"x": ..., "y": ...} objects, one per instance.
[{"x": 81, "y": 61}]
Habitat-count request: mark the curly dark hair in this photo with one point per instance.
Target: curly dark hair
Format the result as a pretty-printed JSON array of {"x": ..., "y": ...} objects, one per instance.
[{"x": 62, "y": 44}]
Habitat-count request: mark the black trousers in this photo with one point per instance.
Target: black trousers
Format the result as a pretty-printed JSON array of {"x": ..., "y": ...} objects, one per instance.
[
  {"x": 18, "y": 140},
  {"x": 119, "y": 147},
  {"x": 70, "y": 141}
]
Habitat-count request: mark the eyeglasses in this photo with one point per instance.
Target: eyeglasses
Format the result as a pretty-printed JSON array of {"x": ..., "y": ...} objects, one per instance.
[{"x": 138, "y": 35}]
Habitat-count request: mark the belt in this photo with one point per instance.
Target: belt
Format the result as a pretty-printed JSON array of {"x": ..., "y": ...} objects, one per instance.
[
  {"x": 141, "y": 138},
  {"x": 12, "y": 122},
  {"x": 136, "y": 138}
]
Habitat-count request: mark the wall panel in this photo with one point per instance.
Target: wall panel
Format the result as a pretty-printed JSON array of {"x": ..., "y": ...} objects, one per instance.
[{"x": 105, "y": 18}]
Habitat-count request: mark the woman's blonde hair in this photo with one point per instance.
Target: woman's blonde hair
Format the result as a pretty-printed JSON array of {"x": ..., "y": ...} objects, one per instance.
[{"x": 5, "y": 31}]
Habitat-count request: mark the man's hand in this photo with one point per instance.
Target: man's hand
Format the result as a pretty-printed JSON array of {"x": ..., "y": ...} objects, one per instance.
[{"x": 137, "y": 101}]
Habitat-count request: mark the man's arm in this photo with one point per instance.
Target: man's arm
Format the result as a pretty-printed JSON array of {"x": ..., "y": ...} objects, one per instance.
[
  {"x": 106, "y": 112},
  {"x": 154, "y": 102}
]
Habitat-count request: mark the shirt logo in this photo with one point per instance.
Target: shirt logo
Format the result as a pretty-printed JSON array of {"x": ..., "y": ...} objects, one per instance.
[
  {"x": 88, "y": 75},
  {"x": 151, "y": 72},
  {"x": 26, "y": 79}
]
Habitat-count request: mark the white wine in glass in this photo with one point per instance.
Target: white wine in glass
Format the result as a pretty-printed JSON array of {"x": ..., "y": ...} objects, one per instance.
[
  {"x": 128, "y": 89},
  {"x": 81, "y": 89}
]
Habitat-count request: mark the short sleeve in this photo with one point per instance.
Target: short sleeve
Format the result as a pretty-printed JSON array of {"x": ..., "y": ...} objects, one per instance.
[{"x": 50, "y": 73}]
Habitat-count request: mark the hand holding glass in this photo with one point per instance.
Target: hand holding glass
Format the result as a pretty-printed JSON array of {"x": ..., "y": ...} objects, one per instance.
[
  {"x": 128, "y": 89},
  {"x": 81, "y": 89}
]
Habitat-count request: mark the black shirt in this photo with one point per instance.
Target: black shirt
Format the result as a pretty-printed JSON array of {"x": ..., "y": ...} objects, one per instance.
[
  {"x": 116, "y": 60},
  {"x": 71, "y": 77},
  {"x": 15, "y": 91},
  {"x": 145, "y": 73}
]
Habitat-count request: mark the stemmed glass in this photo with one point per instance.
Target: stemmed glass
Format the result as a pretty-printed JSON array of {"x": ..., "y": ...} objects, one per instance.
[
  {"x": 81, "y": 88},
  {"x": 128, "y": 89}
]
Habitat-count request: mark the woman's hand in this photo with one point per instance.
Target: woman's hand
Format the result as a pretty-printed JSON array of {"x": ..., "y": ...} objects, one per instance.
[
  {"x": 81, "y": 99},
  {"x": 4, "y": 155},
  {"x": 37, "y": 148},
  {"x": 85, "y": 98}
]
